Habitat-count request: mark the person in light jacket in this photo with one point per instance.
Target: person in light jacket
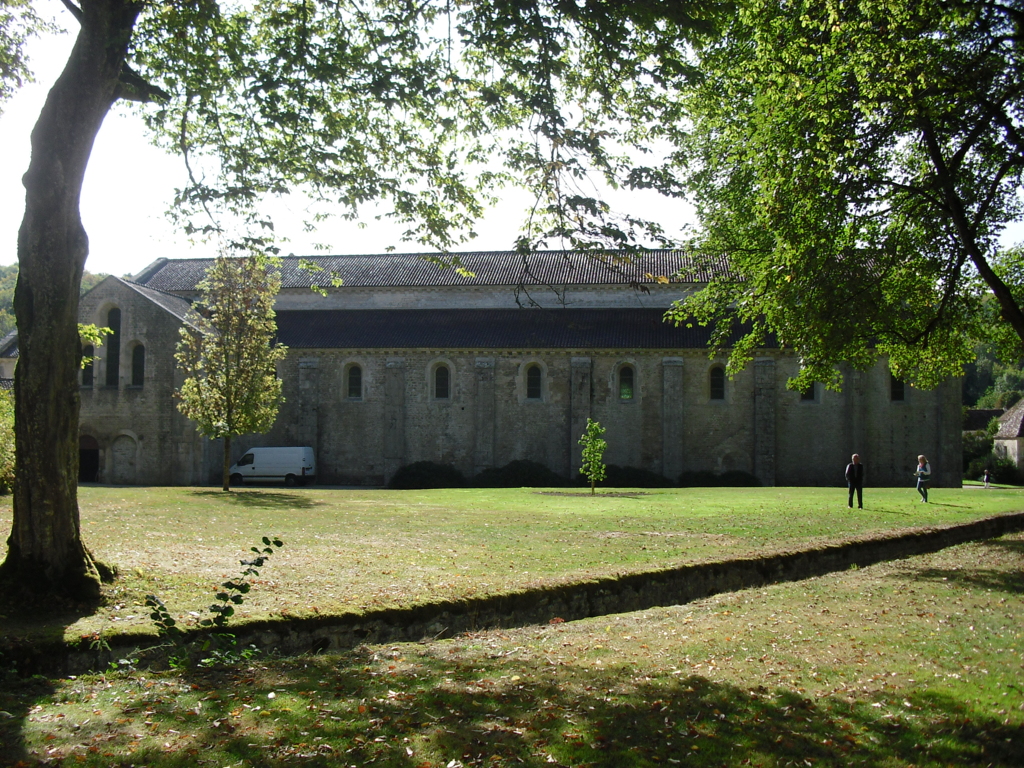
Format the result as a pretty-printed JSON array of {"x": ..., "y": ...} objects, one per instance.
[{"x": 924, "y": 476}]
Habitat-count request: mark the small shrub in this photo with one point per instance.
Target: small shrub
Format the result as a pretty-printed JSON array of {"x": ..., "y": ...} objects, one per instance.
[
  {"x": 593, "y": 453},
  {"x": 1005, "y": 472},
  {"x": 734, "y": 478},
  {"x": 519, "y": 474},
  {"x": 976, "y": 445},
  {"x": 426, "y": 474},
  {"x": 737, "y": 478},
  {"x": 6, "y": 441},
  {"x": 699, "y": 479}
]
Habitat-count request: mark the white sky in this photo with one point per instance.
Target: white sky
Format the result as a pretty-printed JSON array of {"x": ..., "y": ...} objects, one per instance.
[{"x": 130, "y": 184}]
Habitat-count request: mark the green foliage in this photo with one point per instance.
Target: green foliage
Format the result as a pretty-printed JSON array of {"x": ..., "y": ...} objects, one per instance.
[
  {"x": 426, "y": 474},
  {"x": 522, "y": 473},
  {"x": 228, "y": 353},
  {"x": 1006, "y": 389},
  {"x": 219, "y": 647},
  {"x": 593, "y": 453},
  {"x": 6, "y": 441},
  {"x": 860, "y": 212},
  {"x": 734, "y": 478}
]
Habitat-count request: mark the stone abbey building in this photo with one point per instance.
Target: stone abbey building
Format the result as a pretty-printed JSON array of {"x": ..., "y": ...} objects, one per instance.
[{"x": 407, "y": 361}]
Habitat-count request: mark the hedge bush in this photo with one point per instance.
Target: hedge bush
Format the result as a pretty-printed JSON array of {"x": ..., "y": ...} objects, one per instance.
[
  {"x": 519, "y": 474},
  {"x": 426, "y": 474},
  {"x": 734, "y": 478}
]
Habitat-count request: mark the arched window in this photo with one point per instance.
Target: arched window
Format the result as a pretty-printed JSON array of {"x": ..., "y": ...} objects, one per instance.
[
  {"x": 897, "y": 389},
  {"x": 626, "y": 382},
  {"x": 533, "y": 382},
  {"x": 87, "y": 372},
  {"x": 114, "y": 347},
  {"x": 355, "y": 382},
  {"x": 138, "y": 365},
  {"x": 716, "y": 382},
  {"x": 442, "y": 378}
]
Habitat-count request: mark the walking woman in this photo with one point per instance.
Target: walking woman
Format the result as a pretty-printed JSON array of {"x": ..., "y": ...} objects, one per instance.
[{"x": 924, "y": 476}]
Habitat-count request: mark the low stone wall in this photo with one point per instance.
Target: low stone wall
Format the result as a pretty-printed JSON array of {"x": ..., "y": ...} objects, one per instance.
[{"x": 569, "y": 602}]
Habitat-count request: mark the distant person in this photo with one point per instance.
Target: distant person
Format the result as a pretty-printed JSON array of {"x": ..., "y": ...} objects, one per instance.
[
  {"x": 855, "y": 480},
  {"x": 988, "y": 477},
  {"x": 924, "y": 476}
]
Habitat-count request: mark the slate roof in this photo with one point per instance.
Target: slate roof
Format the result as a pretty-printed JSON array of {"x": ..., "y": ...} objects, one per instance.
[
  {"x": 502, "y": 268},
  {"x": 485, "y": 329},
  {"x": 9, "y": 344},
  {"x": 1011, "y": 423},
  {"x": 176, "y": 305}
]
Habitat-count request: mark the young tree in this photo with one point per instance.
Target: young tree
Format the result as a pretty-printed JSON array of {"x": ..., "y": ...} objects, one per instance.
[
  {"x": 593, "y": 453},
  {"x": 228, "y": 353},
  {"x": 857, "y": 162}
]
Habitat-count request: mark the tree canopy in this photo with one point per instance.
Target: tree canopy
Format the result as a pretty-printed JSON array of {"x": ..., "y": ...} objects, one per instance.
[
  {"x": 228, "y": 352},
  {"x": 395, "y": 100},
  {"x": 857, "y": 162}
]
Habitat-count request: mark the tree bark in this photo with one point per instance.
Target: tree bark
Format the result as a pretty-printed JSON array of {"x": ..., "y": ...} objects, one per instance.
[
  {"x": 45, "y": 548},
  {"x": 227, "y": 463}
]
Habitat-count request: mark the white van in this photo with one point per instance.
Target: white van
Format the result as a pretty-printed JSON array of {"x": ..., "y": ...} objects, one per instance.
[{"x": 294, "y": 466}]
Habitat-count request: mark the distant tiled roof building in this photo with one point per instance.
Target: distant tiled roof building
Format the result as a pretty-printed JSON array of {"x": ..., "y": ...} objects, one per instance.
[{"x": 397, "y": 359}]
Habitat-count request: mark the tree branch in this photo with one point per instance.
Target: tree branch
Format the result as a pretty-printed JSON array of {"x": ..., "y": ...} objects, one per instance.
[{"x": 132, "y": 87}]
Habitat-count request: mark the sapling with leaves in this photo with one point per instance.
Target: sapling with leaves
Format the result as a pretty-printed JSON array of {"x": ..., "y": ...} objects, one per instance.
[
  {"x": 232, "y": 593},
  {"x": 228, "y": 353},
  {"x": 593, "y": 453}
]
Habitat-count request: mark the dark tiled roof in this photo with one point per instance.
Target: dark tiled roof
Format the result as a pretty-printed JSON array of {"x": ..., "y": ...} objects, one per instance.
[
  {"x": 176, "y": 305},
  {"x": 488, "y": 268},
  {"x": 979, "y": 418},
  {"x": 1011, "y": 423},
  {"x": 486, "y": 329},
  {"x": 7, "y": 385},
  {"x": 9, "y": 344}
]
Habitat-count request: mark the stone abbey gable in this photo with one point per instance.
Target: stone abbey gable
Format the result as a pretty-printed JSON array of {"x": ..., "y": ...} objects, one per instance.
[{"x": 407, "y": 361}]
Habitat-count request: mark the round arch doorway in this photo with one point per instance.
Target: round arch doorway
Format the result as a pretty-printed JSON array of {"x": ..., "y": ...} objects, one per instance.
[{"x": 88, "y": 459}]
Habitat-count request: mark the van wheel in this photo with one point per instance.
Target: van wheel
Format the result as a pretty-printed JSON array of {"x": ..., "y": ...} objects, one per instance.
[
  {"x": 236, "y": 479},
  {"x": 289, "y": 480}
]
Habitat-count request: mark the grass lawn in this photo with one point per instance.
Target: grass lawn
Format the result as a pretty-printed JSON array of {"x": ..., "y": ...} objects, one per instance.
[
  {"x": 353, "y": 550},
  {"x": 911, "y": 664}
]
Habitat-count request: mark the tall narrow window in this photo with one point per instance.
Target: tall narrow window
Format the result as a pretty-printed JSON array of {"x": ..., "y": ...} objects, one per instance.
[
  {"x": 716, "y": 382},
  {"x": 355, "y": 382},
  {"x": 441, "y": 382},
  {"x": 114, "y": 348},
  {"x": 626, "y": 382},
  {"x": 897, "y": 389},
  {"x": 138, "y": 365},
  {"x": 808, "y": 395},
  {"x": 533, "y": 382},
  {"x": 87, "y": 372}
]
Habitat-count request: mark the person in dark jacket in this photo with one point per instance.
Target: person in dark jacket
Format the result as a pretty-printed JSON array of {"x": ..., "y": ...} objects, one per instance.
[{"x": 855, "y": 480}]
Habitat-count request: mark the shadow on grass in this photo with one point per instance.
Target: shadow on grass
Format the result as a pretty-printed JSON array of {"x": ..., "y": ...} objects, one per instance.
[
  {"x": 436, "y": 709},
  {"x": 18, "y": 696},
  {"x": 259, "y": 499}
]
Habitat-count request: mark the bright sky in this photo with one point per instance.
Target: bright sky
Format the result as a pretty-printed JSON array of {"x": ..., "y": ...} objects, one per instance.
[{"x": 130, "y": 184}]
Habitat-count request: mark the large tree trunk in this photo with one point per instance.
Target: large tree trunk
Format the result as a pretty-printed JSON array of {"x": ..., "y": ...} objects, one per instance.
[{"x": 45, "y": 549}]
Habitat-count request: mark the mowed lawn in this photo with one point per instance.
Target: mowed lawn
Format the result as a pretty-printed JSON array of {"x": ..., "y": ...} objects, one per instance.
[
  {"x": 911, "y": 664},
  {"x": 355, "y": 550}
]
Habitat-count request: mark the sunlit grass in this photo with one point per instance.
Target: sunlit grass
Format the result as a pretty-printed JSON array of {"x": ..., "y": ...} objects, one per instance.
[
  {"x": 355, "y": 550},
  {"x": 911, "y": 663}
]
